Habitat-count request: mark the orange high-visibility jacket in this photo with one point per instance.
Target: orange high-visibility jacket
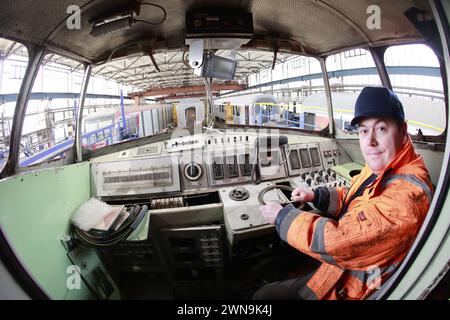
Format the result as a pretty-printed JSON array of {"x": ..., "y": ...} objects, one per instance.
[{"x": 367, "y": 243}]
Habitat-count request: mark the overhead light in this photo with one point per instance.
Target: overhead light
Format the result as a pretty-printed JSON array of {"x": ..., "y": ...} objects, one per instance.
[
  {"x": 112, "y": 26},
  {"x": 116, "y": 19},
  {"x": 121, "y": 18}
]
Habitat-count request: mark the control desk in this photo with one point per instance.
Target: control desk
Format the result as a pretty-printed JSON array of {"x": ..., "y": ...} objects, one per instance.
[{"x": 202, "y": 193}]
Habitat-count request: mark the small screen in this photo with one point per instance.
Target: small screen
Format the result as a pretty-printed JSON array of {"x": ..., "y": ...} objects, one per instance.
[
  {"x": 217, "y": 169},
  {"x": 315, "y": 158},
  {"x": 269, "y": 158},
  {"x": 294, "y": 160},
  {"x": 232, "y": 167},
  {"x": 266, "y": 159},
  {"x": 304, "y": 155},
  {"x": 223, "y": 66},
  {"x": 219, "y": 67},
  {"x": 246, "y": 168}
]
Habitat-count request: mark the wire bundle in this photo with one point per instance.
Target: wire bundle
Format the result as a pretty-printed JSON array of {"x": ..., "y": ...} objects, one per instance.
[{"x": 108, "y": 239}]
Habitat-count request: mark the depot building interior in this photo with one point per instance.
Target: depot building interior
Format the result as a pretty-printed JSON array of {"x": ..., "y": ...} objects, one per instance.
[{"x": 185, "y": 117}]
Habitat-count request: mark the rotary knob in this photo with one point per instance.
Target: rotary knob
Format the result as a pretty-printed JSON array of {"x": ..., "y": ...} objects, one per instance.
[
  {"x": 239, "y": 194},
  {"x": 193, "y": 171}
]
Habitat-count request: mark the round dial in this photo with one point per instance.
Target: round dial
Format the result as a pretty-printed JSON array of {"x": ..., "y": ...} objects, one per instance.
[{"x": 193, "y": 171}]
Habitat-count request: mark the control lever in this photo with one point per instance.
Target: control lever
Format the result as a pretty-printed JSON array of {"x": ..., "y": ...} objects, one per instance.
[
  {"x": 288, "y": 202},
  {"x": 280, "y": 187}
]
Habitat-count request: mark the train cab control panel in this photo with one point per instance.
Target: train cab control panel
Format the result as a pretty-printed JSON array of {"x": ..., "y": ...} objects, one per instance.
[{"x": 203, "y": 193}]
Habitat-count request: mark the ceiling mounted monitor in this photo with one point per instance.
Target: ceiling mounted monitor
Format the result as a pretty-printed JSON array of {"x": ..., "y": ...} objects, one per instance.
[{"x": 219, "y": 68}]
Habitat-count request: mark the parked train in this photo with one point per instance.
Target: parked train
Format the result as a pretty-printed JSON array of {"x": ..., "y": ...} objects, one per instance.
[
  {"x": 248, "y": 109},
  {"x": 106, "y": 127}
]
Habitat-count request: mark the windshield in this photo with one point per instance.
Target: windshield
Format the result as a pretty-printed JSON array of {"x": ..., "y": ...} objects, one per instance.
[
  {"x": 121, "y": 107},
  {"x": 124, "y": 103}
]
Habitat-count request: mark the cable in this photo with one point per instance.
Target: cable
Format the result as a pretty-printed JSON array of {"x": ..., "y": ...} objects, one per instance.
[
  {"x": 108, "y": 239},
  {"x": 138, "y": 20},
  {"x": 124, "y": 45},
  {"x": 183, "y": 57},
  {"x": 210, "y": 114},
  {"x": 157, "y": 6}
]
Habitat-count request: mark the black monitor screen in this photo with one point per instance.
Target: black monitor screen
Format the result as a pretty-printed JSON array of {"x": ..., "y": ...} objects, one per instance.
[
  {"x": 219, "y": 67},
  {"x": 294, "y": 160},
  {"x": 315, "y": 158},
  {"x": 246, "y": 167},
  {"x": 232, "y": 167},
  {"x": 217, "y": 169},
  {"x": 304, "y": 155},
  {"x": 223, "y": 66}
]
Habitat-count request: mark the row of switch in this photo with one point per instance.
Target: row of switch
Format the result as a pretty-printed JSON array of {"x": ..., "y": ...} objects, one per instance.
[
  {"x": 317, "y": 177},
  {"x": 235, "y": 139},
  {"x": 331, "y": 153},
  {"x": 323, "y": 178}
]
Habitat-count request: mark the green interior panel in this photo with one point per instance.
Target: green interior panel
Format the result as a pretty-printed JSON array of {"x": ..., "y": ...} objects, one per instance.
[
  {"x": 35, "y": 210},
  {"x": 345, "y": 169}
]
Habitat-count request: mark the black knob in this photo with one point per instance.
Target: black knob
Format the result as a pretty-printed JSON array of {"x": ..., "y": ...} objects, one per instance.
[{"x": 192, "y": 171}]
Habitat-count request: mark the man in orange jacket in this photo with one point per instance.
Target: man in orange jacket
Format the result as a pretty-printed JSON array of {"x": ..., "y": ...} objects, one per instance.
[{"x": 366, "y": 231}]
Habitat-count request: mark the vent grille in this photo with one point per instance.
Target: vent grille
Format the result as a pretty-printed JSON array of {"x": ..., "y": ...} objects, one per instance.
[
  {"x": 147, "y": 151},
  {"x": 138, "y": 177}
]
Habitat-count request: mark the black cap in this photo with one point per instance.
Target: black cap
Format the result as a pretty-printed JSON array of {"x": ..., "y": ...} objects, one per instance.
[{"x": 378, "y": 102}]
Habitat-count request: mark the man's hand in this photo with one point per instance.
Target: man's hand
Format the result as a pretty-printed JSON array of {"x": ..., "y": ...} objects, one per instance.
[
  {"x": 302, "y": 194},
  {"x": 270, "y": 211}
]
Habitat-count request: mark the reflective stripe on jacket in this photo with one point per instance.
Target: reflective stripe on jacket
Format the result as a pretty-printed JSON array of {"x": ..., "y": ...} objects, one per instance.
[{"x": 368, "y": 242}]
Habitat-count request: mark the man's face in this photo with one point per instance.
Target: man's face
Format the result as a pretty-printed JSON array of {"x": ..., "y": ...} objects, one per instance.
[{"x": 380, "y": 141}]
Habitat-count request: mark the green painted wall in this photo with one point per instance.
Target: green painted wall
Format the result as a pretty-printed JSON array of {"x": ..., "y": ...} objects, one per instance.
[{"x": 35, "y": 210}]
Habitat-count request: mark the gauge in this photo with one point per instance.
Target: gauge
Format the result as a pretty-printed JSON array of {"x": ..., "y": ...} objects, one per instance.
[{"x": 193, "y": 171}]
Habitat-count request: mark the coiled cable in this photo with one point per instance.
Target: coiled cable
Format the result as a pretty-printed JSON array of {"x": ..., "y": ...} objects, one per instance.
[{"x": 108, "y": 239}]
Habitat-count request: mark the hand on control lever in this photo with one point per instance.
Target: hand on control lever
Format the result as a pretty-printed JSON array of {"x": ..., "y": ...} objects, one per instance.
[
  {"x": 270, "y": 211},
  {"x": 302, "y": 194}
]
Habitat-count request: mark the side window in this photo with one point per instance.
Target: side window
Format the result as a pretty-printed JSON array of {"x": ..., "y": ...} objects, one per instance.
[
  {"x": 416, "y": 78},
  {"x": 13, "y": 64},
  {"x": 351, "y": 71},
  {"x": 304, "y": 102},
  {"x": 105, "y": 122},
  {"x": 49, "y": 126},
  {"x": 301, "y": 100}
]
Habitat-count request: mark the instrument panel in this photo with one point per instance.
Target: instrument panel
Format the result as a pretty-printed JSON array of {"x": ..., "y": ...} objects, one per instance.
[
  {"x": 203, "y": 194},
  {"x": 217, "y": 177},
  {"x": 215, "y": 160}
]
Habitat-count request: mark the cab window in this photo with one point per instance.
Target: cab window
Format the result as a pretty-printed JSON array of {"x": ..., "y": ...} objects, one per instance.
[
  {"x": 13, "y": 64},
  {"x": 416, "y": 78},
  {"x": 350, "y": 72}
]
